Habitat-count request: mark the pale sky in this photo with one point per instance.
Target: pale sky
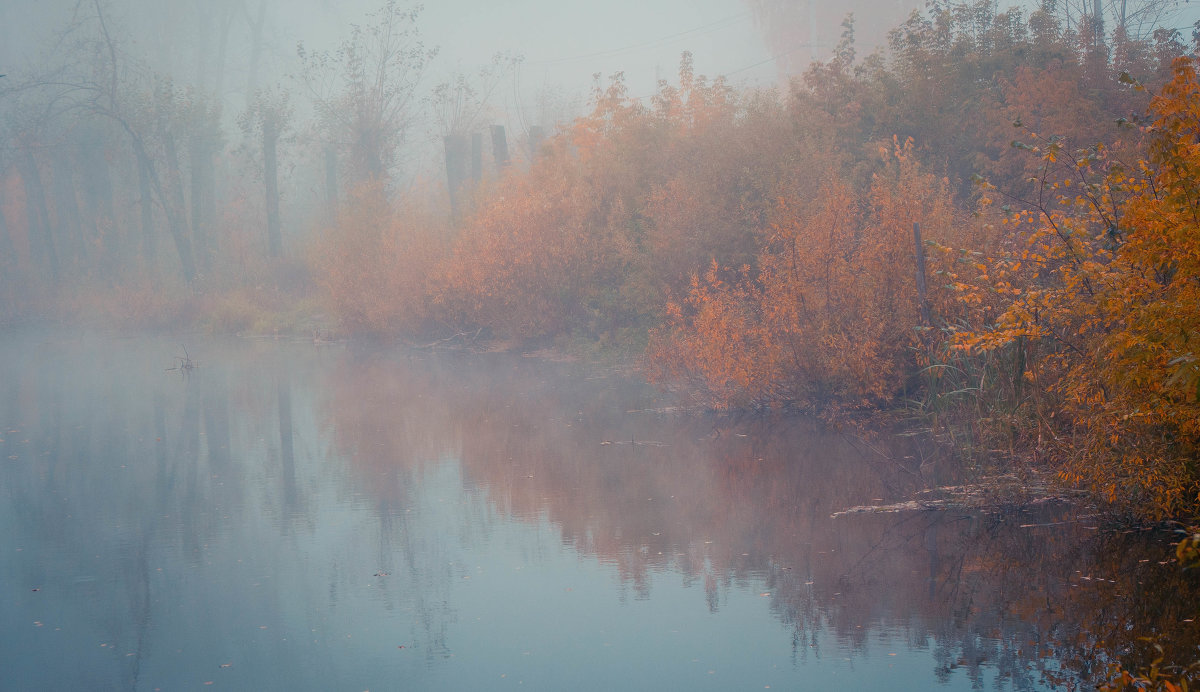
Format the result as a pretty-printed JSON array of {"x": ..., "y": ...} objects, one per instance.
[{"x": 564, "y": 43}]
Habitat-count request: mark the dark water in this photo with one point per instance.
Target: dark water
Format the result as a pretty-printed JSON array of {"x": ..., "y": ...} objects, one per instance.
[{"x": 287, "y": 516}]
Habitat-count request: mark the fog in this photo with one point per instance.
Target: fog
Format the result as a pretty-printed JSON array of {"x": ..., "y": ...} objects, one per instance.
[
  {"x": 185, "y": 150},
  {"x": 689, "y": 344},
  {"x": 560, "y": 47},
  {"x": 83, "y": 75}
]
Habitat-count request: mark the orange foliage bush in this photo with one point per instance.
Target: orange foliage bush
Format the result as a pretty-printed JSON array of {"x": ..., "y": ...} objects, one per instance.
[
  {"x": 619, "y": 209},
  {"x": 1106, "y": 287},
  {"x": 528, "y": 263},
  {"x": 376, "y": 261},
  {"x": 831, "y": 315}
]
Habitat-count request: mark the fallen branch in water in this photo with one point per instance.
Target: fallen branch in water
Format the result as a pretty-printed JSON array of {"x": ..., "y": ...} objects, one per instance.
[
  {"x": 994, "y": 492},
  {"x": 466, "y": 337},
  {"x": 185, "y": 362}
]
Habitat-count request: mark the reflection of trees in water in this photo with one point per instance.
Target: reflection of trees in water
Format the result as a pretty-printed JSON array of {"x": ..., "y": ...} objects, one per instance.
[
  {"x": 152, "y": 518},
  {"x": 224, "y": 478},
  {"x": 993, "y": 599},
  {"x": 99, "y": 447}
]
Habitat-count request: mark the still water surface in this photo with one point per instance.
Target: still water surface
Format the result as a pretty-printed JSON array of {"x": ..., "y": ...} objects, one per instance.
[{"x": 287, "y": 516}]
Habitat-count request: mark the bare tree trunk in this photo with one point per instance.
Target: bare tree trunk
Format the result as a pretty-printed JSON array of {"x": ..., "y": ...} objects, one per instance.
[
  {"x": 499, "y": 147},
  {"x": 176, "y": 206},
  {"x": 96, "y": 184},
  {"x": 366, "y": 158},
  {"x": 203, "y": 187},
  {"x": 146, "y": 205},
  {"x": 270, "y": 133},
  {"x": 67, "y": 205},
  {"x": 172, "y": 203},
  {"x": 923, "y": 302},
  {"x": 41, "y": 241}
]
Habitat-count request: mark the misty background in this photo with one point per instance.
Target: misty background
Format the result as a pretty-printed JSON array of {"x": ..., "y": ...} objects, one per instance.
[
  {"x": 529, "y": 66},
  {"x": 552, "y": 52}
]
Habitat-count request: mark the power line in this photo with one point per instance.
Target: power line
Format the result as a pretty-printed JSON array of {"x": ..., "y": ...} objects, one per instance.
[{"x": 775, "y": 57}]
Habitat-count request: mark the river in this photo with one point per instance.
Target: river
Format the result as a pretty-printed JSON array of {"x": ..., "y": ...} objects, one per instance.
[{"x": 283, "y": 515}]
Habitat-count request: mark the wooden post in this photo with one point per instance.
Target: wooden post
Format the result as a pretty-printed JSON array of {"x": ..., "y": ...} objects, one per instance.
[
  {"x": 476, "y": 157},
  {"x": 924, "y": 303},
  {"x": 499, "y": 147},
  {"x": 536, "y": 136}
]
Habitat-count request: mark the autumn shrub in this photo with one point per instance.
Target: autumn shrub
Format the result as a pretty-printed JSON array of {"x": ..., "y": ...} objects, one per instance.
[
  {"x": 1105, "y": 289},
  {"x": 376, "y": 260},
  {"x": 831, "y": 315},
  {"x": 718, "y": 193},
  {"x": 618, "y": 209},
  {"x": 534, "y": 256}
]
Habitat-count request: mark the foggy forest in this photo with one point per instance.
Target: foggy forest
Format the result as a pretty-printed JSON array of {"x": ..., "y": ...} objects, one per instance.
[{"x": 974, "y": 223}]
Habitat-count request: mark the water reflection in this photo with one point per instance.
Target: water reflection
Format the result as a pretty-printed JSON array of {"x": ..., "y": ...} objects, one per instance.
[{"x": 288, "y": 517}]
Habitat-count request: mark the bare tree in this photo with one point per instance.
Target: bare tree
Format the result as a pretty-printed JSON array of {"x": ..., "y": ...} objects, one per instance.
[
  {"x": 265, "y": 121},
  {"x": 1137, "y": 19},
  {"x": 365, "y": 90},
  {"x": 462, "y": 103},
  {"x": 112, "y": 91}
]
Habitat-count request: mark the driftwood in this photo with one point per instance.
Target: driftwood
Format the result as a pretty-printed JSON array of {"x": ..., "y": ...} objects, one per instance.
[
  {"x": 186, "y": 364},
  {"x": 990, "y": 493},
  {"x": 466, "y": 338}
]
